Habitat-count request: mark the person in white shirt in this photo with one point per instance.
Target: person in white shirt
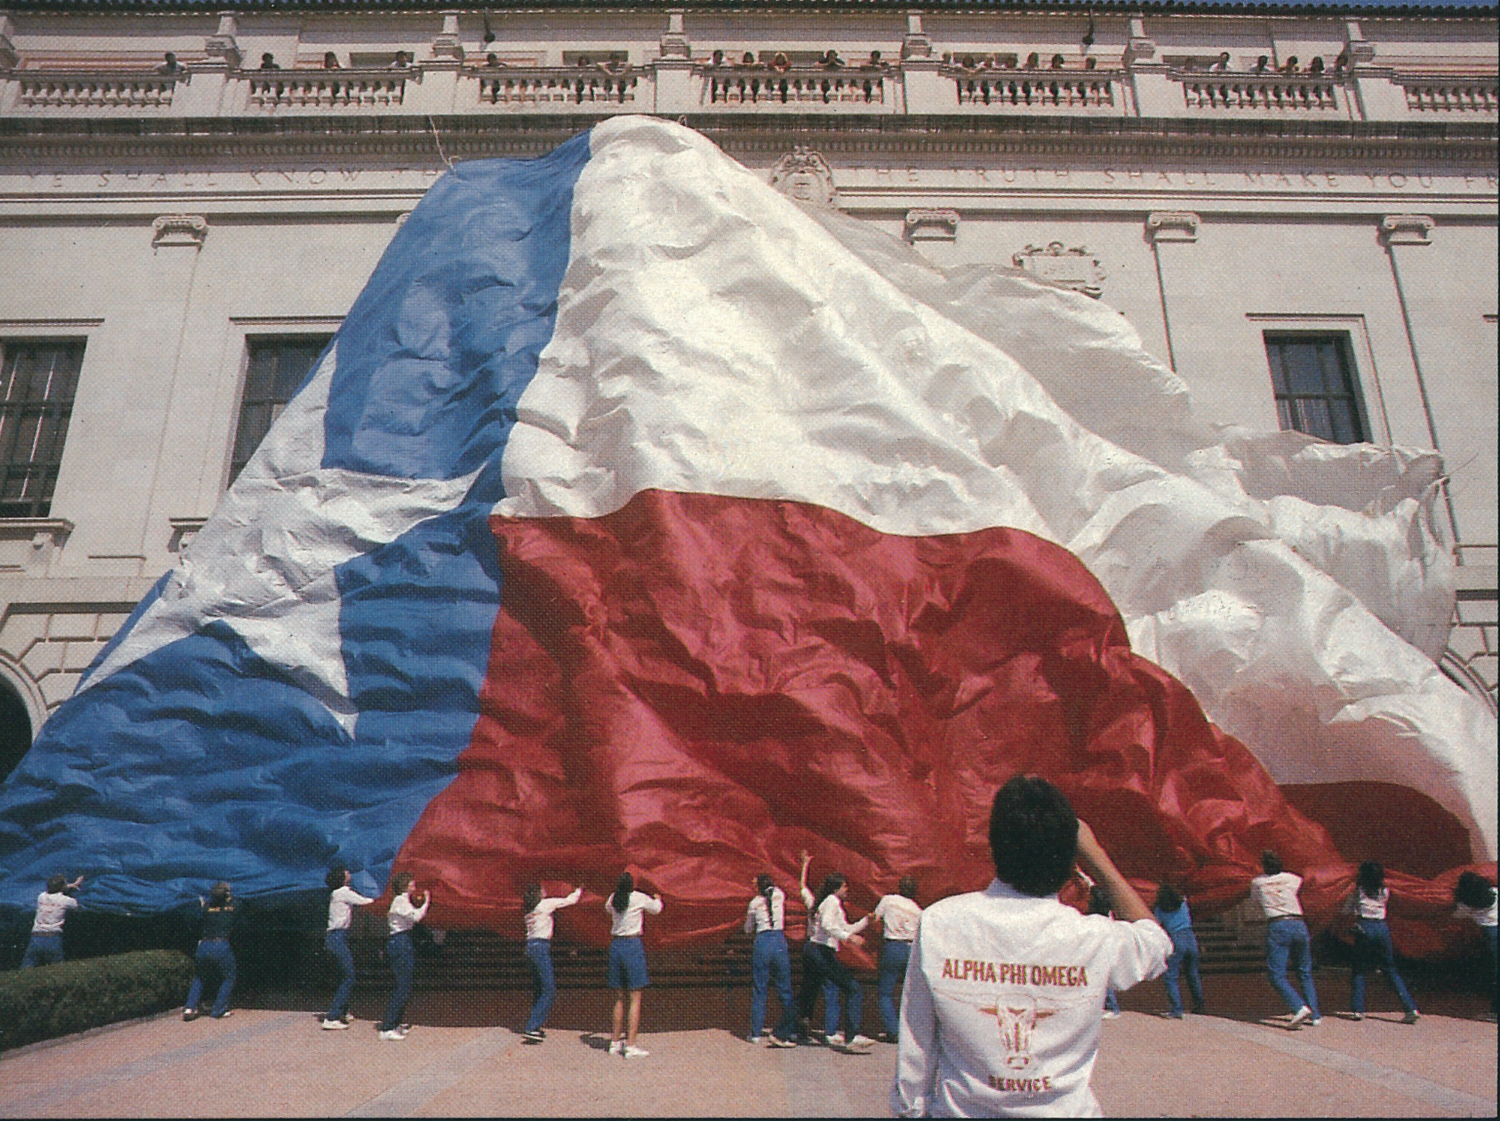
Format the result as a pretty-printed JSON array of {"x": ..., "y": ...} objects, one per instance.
[
  {"x": 827, "y": 928},
  {"x": 1372, "y": 940},
  {"x": 898, "y": 915},
  {"x": 341, "y": 904},
  {"x": 1286, "y": 937},
  {"x": 408, "y": 907},
  {"x": 538, "y": 909},
  {"x": 765, "y": 921},
  {"x": 1001, "y": 1010},
  {"x": 626, "y": 971},
  {"x": 1474, "y": 899},
  {"x": 52, "y": 907}
]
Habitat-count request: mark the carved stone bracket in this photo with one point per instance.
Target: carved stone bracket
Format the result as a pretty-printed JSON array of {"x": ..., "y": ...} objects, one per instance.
[
  {"x": 674, "y": 42},
  {"x": 447, "y": 44},
  {"x": 223, "y": 43},
  {"x": 1076, "y": 269},
  {"x": 179, "y": 229},
  {"x": 1172, "y": 225},
  {"x": 804, "y": 175},
  {"x": 1406, "y": 229},
  {"x": 926, "y": 224},
  {"x": 183, "y": 532}
]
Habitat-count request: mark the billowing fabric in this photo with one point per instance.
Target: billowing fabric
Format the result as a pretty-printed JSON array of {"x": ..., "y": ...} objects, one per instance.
[{"x": 640, "y": 519}]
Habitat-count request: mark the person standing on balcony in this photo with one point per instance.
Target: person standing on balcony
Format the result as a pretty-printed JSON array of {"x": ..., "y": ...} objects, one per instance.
[
  {"x": 330, "y": 61},
  {"x": 341, "y": 904},
  {"x": 626, "y": 971},
  {"x": 268, "y": 62},
  {"x": 538, "y": 909},
  {"x": 1286, "y": 937}
]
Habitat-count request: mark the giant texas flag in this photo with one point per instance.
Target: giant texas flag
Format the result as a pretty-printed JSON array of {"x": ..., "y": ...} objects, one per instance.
[{"x": 639, "y": 518}]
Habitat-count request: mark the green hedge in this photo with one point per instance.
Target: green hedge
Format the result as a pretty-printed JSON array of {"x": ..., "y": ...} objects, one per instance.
[{"x": 73, "y": 996}]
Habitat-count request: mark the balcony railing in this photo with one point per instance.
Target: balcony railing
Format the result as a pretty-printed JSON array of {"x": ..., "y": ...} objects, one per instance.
[
  {"x": 94, "y": 90},
  {"x": 818, "y": 90},
  {"x": 1452, "y": 97},
  {"x": 274, "y": 90},
  {"x": 1262, "y": 93},
  {"x": 1034, "y": 91},
  {"x": 569, "y": 88}
]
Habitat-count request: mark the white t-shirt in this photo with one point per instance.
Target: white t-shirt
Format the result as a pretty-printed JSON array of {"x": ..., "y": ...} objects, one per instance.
[
  {"x": 629, "y": 923},
  {"x": 759, "y": 919},
  {"x": 341, "y": 906},
  {"x": 828, "y": 925},
  {"x": 403, "y": 915},
  {"x": 1001, "y": 1007},
  {"x": 52, "y": 908},
  {"x": 1277, "y": 895},
  {"x": 1366, "y": 906},
  {"x": 1483, "y": 916},
  {"x": 539, "y": 919},
  {"x": 898, "y": 917}
]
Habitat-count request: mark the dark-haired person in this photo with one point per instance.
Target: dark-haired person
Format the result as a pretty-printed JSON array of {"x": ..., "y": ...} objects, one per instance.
[
  {"x": 1171, "y": 911},
  {"x": 1001, "y": 1009},
  {"x": 627, "y": 961},
  {"x": 341, "y": 904},
  {"x": 827, "y": 928},
  {"x": 52, "y": 907},
  {"x": 1474, "y": 899},
  {"x": 1372, "y": 940},
  {"x": 214, "y": 959},
  {"x": 1286, "y": 938},
  {"x": 899, "y": 915},
  {"x": 770, "y": 960},
  {"x": 408, "y": 907},
  {"x": 538, "y": 909}
]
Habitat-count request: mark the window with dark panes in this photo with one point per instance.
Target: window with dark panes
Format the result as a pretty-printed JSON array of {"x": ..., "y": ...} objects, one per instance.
[
  {"x": 38, "y": 378},
  {"x": 1316, "y": 390},
  {"x": 276, "y": 369}
]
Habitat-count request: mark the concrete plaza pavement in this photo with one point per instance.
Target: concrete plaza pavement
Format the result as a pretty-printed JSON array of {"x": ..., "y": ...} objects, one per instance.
[{"x": 271, "y": 1059}]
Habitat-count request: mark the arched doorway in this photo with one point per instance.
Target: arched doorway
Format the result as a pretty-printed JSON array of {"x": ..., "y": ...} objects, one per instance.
[{"x": 15, "y": 729}]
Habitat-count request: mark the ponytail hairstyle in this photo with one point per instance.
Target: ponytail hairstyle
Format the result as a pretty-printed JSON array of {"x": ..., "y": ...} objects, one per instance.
[
  {"x": 621, "y": 898},
  {"x": 400, "y": 882},
  {"x": 531, "y": 898},
  {"x": 908, "y": 887},
  {"x": 1473, "y": 890},
  {"x": 767, "y": 888},
  {"x": 1168, "y": 899},
  {"x": 218, "y": 895},
  {"x": 1371, "y": 879},
  {"x": 831, "y": 883}
]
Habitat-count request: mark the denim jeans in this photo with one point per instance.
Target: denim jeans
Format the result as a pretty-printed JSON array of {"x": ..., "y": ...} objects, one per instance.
[
  {"x": 403, "y": 959},
  {"x": 43, "y": 949},
  {"x": 817, "y": 976},
  {"x": 1373, "y": 950},
  {"x": 841, "y": 987},
  {"x": 1288, "y": 939},
  {"x": 1111, "y": 1001},
  {"x": 215, "y": 961},
  {"x": 543, "y": 981},
  {"x": 893, "y": 959},
  {"x": 1183, "y": 959},
  {"x": 769, "y": 961},
  {"x": 336, "y": 942}
]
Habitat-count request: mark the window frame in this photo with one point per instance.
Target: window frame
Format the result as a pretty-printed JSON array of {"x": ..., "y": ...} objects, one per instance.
[
  {"x": 32, "y": 333},
  {"x": 251, "y": 330},
  {"x": 1364, "y": 375}
]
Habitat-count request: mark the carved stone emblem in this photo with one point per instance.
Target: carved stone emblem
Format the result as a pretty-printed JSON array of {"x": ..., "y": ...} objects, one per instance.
[
  {"x": 179, "y": 229},
  {"x": 924, "y": 224},
  {"x": 804, "y": 175},
  {"x": 1076, "y": 269},
  {"x": 1406, "y": 229}
]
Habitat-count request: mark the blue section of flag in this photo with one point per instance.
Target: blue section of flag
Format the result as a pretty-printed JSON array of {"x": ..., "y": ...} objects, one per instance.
[{"x": 202, "y": 761}]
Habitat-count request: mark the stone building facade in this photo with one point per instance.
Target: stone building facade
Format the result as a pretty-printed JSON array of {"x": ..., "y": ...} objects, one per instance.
[{"x": 1260, "y": 190}]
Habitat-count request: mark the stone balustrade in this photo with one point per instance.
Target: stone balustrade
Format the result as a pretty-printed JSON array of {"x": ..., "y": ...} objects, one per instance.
[
  {"x": 1477, "y": 96},
  {"x": 1041, "y": 92},
  {"x": 323, "y": 90},
  {"x": 94, "y": 90},
  {"x": 540, "y": 89},
  {"x": 814, "y": 90},
  {"x": 1298, "y": 94}
]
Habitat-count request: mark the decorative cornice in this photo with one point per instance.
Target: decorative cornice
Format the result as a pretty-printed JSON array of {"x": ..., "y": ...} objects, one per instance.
[
  {"x": 32, "y": 144},
  {"x": 1406, "y": 229}
]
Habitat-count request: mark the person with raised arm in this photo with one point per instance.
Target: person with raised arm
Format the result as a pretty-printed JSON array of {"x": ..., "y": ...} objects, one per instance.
[{"x": 538, "y": 909}]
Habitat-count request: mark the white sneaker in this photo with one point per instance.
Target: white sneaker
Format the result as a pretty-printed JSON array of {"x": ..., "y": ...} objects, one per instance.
[
  {"x": 777, "y": 1041},
  {"x": 1411, "y": 1017},
  {"x": 392, "y": 1036},
  {"x": 617, "y": 1047},
  {"x": 636, "y": 1052},
  {"x": 335, "y": 1025},
  {"x": 1303, "y": 1015},
  {"x": 1111, "y": 1015},
  {"x": 861, "y": 1040},
  {"x": 836, "y": 1039}
]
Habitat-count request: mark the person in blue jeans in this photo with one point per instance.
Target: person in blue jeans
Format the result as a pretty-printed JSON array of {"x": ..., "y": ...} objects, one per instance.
[
  {"x": 1171, "y": 912},
  {"x": 770, "y": 960},
  {"x": 899, "y": 917},
  {"x": 214, "y": 959},
  {"x": 1287, "y": 939},
  {"x": 341, "y": 904},
  {"x": 52, "y": 907},
  {"x": 404, "y": 914},
  {"x": 1372, "y": 940},
  {"x": 537, "y": 910}
]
